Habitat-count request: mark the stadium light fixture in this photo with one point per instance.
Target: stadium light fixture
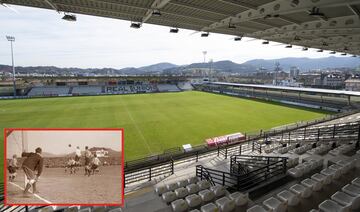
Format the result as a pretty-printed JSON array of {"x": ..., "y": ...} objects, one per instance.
[
  {"x": 231, "y": 26},
  {"x": 265, "y": 42},
  {"x": 205, "y": 34},
  {"x": 343, "y": 54},
  {"x": 11, "y": 39},
  {"x": 315, "y": 12},
  {"x": 135, "y": 25},
  {"x": 297, "y": 38},
  {"x": 174, "y": 30},
  {"x": 289, "y": 46},
  {"x": 320, "y": 50},
  {"x": 69, "y": 17},
  {"x": 156, "y": 13},
  {"x": 332, "y": 52},
  {"x": 238, "y": 38},
  {"x": 305, "y": 48}
]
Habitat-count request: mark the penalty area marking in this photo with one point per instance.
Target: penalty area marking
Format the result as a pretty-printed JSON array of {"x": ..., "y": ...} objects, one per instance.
[{"x": 36, "y": 195}]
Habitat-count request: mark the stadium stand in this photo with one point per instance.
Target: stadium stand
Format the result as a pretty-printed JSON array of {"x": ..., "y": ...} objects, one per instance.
[
  {"x": 167, "y": 88},
  {"x": 185, "y": 86},
  {"x": 49, "y": 91},
  {"x": 87, "y": 90}
]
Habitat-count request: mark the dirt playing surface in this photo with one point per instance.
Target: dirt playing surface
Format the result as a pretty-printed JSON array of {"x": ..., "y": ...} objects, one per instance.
[{"x": 56, "y": 186}]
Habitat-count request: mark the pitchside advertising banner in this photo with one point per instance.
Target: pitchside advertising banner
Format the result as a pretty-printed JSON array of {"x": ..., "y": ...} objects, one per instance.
[
  {"x": 130, "y": 88},
  {"x": 225, "y": 139},
  {"x": 64, "y": 167}
]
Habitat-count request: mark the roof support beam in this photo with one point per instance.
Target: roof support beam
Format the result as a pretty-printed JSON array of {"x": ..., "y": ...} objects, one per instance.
[
  {"x": 354, "y": 9},
  {"x": 339, "y": 24},
  {"x": 52, "y": 5},
  {"x": 157, "y": 4},
  {"x": 278, "y": 7},
  {"x": 191, "y": 6},
  {"x": 239, "y": 3}
]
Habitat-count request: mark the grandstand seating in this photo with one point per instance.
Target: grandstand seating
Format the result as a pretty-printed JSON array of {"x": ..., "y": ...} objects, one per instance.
[
  {"x": 90, "y": 90},
  {"x": 49, "y": 91},
  {"x": 167, "y": 88}
]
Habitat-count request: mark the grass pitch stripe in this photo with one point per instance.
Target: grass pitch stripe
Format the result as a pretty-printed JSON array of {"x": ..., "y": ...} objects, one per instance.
[
  {"x": 36, "y": 195},
  {"x": 136, "y": 126}
]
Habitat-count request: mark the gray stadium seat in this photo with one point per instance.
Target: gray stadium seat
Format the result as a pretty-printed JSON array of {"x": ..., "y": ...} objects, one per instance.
[
  {"x": 161, "y": 189},
  {"x": 256, "y": 208},
  {"x": 182, "y": 183},
  {"x": 346, "y": 200},
  {"x": 193, "y": 188},
  {"x": 310, "y": 183},
  {"x": 211, "y": 207},
  {"x": 172, "y": 186},
  {"x": 301, "y": 191},
  {"x": 330, "y": 206},
  {"x": 288, "y": 197},
  {"x": 169, "y": 196},
  {"x": 206, "y": 195},
  {"x": 204, "y": 184},
  {"x": 181, "y": 192},
  {"x": 239, "y": 198},
  {"x": 193, "y": 200},
  {"x": 325, "y": 180},
  {"x": 192, "y": 180},
  {"x": 274, "y": 204},
  {"x": 218, "y": 190},
  {"x": 356, "y": 182},
  {"x": 351, "y": 190},
  {"x": 179, "y": 205},
  {"x": 295, "y": 172},
  {"x": 225, "y": 204},
  {"x": 329, "y": 173}
]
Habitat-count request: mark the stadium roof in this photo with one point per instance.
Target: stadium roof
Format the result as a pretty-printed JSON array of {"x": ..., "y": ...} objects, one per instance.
[
  {"x": 323, "y": 24},
  {"x": 298, "y": 89}
]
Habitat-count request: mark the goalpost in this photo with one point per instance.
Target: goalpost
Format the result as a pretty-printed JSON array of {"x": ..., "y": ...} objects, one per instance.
[{"x": 16, "y": 144}]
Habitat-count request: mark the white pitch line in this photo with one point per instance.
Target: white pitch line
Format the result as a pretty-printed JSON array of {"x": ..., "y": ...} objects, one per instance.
[
  {"x": 48, "y": 202},
  {"x": 137, "y": 127}
]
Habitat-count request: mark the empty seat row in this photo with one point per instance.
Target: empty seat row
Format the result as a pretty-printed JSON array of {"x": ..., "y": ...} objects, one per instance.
[
  {"x": 189, "y": 189},
  {"x": 205, "y": 198},
  {"x": 350, "y": 194},
  {"x": 342, "y": 149},
  {"x": 171, "y": 187},
  {"x": 302, "y": 149},
  {"x": 291, "y": 162},
  {"x": 344, "y": 200},
  {"x": 319, "y": 150},
  {"x": 284, "y": 150},
  {"x": 304, "y": 168}
]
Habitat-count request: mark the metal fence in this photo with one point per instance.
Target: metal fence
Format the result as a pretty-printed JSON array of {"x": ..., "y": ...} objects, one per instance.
[
  {"x": 264, "y": 169},
  {"x": 149, "y": 168}
]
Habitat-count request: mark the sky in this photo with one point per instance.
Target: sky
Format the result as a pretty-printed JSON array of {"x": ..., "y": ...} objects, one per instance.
[
  {"x": 44, "y": 39},
  {"x": 57, "y": 142}
]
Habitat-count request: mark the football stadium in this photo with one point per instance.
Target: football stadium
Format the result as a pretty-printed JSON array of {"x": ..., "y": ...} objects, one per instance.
[{"x": 198, "y": 143}]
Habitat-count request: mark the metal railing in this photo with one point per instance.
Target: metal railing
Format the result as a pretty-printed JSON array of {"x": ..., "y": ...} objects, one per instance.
[
  {"x": 264, "y": 169},
  {"x": 150, "y": 168}
]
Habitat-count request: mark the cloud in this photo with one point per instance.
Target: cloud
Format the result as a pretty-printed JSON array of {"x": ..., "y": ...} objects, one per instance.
[{"x": 43, "y": 38}]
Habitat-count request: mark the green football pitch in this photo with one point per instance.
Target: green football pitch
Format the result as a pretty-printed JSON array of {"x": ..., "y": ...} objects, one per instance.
[{"x": 153, "y": 122}]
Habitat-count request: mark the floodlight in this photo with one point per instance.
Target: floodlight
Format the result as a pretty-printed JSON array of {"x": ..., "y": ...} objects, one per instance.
[
  {"x": 69, "y": 17},
  {"x": 174, "y": 30},
  {"x": 204, "y": 34},
  {"x": 156, "y": 13},
  {"x": 315, "y": 12},
  {"x": 135, "y": 25},
  {"x": 265, "y": 42}
]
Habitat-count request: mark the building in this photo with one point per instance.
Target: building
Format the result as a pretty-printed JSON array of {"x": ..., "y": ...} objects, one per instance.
[
  {"x": 352, "y": 84},
  {"x": 333, "y": 80},
  {"x": 294, "y": 72}
]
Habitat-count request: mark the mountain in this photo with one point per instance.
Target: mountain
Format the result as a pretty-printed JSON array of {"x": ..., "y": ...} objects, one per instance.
[
  {"x": 157, "y": 67},
  {"x": 219, "y": 66},
  {"x": 305, "y": 64},
  {"x": 227, "y": 66}
]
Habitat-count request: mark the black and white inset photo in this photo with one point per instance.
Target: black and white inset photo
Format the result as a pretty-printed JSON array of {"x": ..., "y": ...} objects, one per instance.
[{"x": 61, "y": 166}]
